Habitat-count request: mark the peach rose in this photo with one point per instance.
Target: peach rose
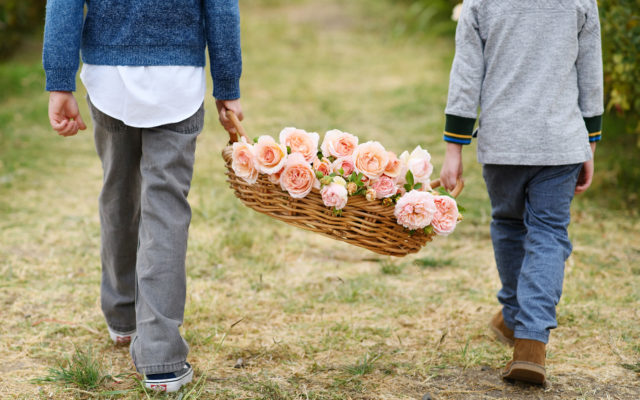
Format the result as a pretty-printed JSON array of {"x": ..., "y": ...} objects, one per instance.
[
  {"x": 446, "y": 217},
  {"x": 334, "y": 195},
  {"x": 384, "y": 186},
  {"x": 370, "y": 159},
  {"x": 243, "y": 162},
  {"x": 270, "y": 156},
  {"x": 346, "y": 163},
  {"x": 419, "y": 163},
  {"x": 338, "y": 144},
  {"x": 300, "y": 141},
  {"x": 297, "y": 177},
  {"x": 394, "y": 166},
  {"x": 415, "y": 210},
  {"x": 323, "y": 166}
]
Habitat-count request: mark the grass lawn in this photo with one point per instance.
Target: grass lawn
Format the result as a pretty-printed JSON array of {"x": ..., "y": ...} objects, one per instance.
[{"x": 302, "y": 316}]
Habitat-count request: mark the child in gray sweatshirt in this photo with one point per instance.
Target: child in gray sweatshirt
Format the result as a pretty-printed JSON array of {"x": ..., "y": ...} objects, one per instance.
[{"x": 534, "y": 69}]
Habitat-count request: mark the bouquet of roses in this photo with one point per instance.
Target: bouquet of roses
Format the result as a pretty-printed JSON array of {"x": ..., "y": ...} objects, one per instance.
[{"x": 342, "y": 167}]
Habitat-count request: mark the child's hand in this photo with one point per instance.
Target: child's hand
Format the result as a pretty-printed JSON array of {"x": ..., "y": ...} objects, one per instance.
[
  {"x": 586, "y": 174},
  {"x": 64, "y": 115},
  {"x": 452, "y": 166},
  {"x": 231, "y": 105}
]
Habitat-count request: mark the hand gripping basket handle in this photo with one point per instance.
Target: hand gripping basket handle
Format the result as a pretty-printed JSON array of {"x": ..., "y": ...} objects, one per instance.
[
  {"x": 233, "y": 137},
  {"x": 456, "y": 190}
]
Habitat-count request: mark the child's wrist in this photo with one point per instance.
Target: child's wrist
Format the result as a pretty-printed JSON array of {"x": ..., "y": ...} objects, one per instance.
[{"x": 454, "y": 148}]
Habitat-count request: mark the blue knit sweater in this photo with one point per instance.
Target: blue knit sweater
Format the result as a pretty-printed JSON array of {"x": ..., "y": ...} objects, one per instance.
[{"x": 143, "y": 33}]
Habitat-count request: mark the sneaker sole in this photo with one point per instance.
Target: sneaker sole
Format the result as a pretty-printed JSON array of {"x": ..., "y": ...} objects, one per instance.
[
  {"x": 170, "y": 386},
  {"x": 501, "y": 338},
  {"x": 526, "y": 372}
]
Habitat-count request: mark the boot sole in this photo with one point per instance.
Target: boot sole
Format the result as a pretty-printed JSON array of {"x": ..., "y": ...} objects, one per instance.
[
  {"x": 526, "y": 372},
  {"x": 501, "y": 338}
]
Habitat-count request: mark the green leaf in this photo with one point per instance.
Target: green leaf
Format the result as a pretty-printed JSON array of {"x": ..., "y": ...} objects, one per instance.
[
  {"x": 255, "y": 140},
  {"x": 353, "y": 177},
  {"x": 417, "y": 186},
  {"x": 407, "y": 187},
  {"x": 362, "y": 190},
  {"x": 319, "y": 174},
  {"x": 409, "y": 178},
  {"x": 288, "y": 150},
  {"x": 461, "y": 209},
  {"x": 428, "y": 230},
  {"x": 341, "y": 171}
]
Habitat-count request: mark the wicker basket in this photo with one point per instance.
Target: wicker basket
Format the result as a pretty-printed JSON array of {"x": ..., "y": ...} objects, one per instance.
[{"x": 363, "y": 223}]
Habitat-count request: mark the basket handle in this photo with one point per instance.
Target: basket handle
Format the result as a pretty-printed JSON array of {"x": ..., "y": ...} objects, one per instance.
[
  {"x": 233, "y": 137},
  {"x": 456, "y": 190}
]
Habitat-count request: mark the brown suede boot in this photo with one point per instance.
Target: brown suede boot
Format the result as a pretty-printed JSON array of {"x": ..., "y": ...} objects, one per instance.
[
  {"x": 528, "y": 362},
  {"x": 497, "y": 326}
]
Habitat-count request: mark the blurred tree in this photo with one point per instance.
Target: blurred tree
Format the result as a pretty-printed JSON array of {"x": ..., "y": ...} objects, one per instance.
[
  {"x": 17, "y": 18},
  {"x": 429, "y": 16},
  {"x": 620, "y": 21}
]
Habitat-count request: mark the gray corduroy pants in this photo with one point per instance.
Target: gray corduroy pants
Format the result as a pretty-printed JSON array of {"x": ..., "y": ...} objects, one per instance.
[{"x": 144, "y": 221}]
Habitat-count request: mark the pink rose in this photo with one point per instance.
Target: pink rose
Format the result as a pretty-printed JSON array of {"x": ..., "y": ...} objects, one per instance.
[
  {"x": 384, "y": 186},
  {"x": 323, "y": 166},
  {"x": 243, "y": 162},
  {"x": 446, "y": 217},
  {"x": 334, "y": 195},
  {"x": 297, "y": 177},
  {"x": 370, "y": 159},
  {"x": 300, "y": 141},
  {"x": 419, "y": 163},
  {"x": 415, "y": 210},
  {"x": 270, "y": 156},
  {"x": 338, "y": 144},
  {"x": 346, "y": 163},
  {"x": 394, "y": 166}
]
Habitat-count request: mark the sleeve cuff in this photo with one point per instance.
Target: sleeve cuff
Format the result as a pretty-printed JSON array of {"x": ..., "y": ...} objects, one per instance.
[
  {"x": 63, "y": 80},
  {"x": 226, "y": 89},
  {"x": 594, "y": 127},
  {"x": 458, "y": 129}
]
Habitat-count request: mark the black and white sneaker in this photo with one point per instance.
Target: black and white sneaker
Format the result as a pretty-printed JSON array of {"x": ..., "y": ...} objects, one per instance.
[{"x": 170, "y": 382}]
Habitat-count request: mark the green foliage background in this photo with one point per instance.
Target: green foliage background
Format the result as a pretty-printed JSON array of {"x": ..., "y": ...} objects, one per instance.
[
  {"x": 621, "y": 52},
  {"x": 17, "y": 18}
]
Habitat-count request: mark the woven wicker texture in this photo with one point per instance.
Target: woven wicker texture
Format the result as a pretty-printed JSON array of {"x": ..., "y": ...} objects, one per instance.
[{"x": 363, "y": 223}]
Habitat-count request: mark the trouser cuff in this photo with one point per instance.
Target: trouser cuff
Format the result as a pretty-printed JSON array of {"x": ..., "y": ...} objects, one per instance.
[
  {"x": 160, "y": 369},
  {"x": 531, "y": 335}
]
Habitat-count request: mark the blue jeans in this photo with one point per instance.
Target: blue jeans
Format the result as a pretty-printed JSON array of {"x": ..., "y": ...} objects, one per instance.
[{"x": 530, "y": 216}]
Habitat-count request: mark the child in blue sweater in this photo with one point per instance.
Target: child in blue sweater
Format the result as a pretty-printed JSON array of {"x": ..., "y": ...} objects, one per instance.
[{"x": 143, "y": 67}]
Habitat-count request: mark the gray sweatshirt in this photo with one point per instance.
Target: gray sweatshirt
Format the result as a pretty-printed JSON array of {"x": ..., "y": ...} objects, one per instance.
[{"x": 534, "y": 68}]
